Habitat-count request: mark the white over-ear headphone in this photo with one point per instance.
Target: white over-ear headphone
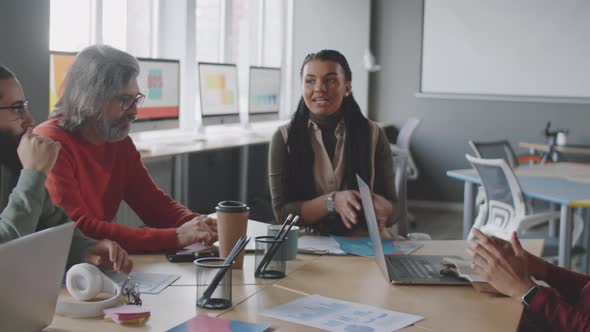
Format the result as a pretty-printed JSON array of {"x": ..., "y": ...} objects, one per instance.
[{"x": 84, "y": 281}]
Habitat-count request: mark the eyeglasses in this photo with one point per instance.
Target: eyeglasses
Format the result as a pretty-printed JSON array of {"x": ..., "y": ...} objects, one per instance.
[
  {"x": 130, "y": 289},
  {"x": 127, "y": 102},
  {"x": 20, "y": 108}
]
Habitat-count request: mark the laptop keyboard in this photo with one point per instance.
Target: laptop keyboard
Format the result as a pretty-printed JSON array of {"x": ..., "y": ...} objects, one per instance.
[{"x": 413, "y": 267}]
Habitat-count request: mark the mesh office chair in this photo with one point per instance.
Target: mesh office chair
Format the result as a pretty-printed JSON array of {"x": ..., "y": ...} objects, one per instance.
[
  {"x": 400, "y": 162},
  {"x": 504, "y": 210},
  {"x": 403, "y": 144},
  {"x": 495, "y": 150},
  {"x": 400, "y": 227},
  {"x": 501, "y": 149}
]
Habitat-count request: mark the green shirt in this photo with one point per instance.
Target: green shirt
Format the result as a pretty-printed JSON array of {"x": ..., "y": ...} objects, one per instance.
[{"x": 29, "y": 209}]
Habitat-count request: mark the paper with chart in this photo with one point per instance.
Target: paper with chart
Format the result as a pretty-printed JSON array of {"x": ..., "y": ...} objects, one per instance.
[
  {"x": 340, "y": 316},
  {"x": 149, "y": 283},
  {"x": 362, "y": 246}
]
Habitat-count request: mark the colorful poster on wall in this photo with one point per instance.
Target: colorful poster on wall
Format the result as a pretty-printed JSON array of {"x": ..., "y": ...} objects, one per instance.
[{"x": 59, "y": 66}]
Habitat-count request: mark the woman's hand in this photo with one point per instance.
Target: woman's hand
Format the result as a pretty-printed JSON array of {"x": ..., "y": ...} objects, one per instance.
[
  {"x": 347, "y": 204},
  {"x": 383, "y": 210},
  {"x": 504, "y": 269},
  {"x": 536, "y": 266}
]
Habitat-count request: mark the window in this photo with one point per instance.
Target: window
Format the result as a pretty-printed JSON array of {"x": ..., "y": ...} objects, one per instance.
[
  {"x": 273, "y": 33},
  {"x": 209, "y": 30},
  {"x": 139, "y": 28},
  {"x": 244, "y": 32},
  {"x": 234, "y": 30},
  {"x": 69, "y": 25},
  {"x": 114, "y": 27}
]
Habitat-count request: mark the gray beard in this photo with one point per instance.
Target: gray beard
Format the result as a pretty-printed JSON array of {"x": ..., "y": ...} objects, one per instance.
[{"x": 109, "y": 129}]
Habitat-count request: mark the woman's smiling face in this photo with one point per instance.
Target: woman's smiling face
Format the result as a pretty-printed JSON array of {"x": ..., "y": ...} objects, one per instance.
[{"x": 324, "y": 87}]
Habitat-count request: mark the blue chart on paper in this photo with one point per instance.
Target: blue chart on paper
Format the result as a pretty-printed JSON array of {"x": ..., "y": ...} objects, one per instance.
[{"x": 362, "y": 246}]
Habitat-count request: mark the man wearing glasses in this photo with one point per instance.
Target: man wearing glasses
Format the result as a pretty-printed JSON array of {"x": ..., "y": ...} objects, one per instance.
[
  {"x": 98, "y": 165},
  {"x": 26, "y": 206}
]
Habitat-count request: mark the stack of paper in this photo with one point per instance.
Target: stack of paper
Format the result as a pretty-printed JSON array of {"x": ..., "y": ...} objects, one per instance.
[{"x": 127, "y": 314}]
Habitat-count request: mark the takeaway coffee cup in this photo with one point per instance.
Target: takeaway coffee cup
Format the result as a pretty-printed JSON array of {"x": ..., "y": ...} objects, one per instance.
[{"x": 232, "y": 223}]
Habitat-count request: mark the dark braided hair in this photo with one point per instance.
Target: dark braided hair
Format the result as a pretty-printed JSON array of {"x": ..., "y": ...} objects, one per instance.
[{"x": 298, "y": 182}]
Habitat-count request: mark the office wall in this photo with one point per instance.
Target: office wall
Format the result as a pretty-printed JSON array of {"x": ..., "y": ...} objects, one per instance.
[
  {"x": 343, "y": 25},
  {"x": 440, "y": 143},
  {"x": 24, "y": 25}
]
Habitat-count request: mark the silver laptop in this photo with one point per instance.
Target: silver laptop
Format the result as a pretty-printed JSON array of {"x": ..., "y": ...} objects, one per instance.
[
  {"x": 32, "y": 273},
  {"x": 403, "y": 269}
]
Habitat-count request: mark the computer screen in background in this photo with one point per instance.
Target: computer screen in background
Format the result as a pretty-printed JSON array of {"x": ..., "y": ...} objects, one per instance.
[
  {"x": 59, "y": 65},
  {"x": 218, "y": 93},
  {"x": 159, "y": 81},
  {"x": 264, "y": 94}
]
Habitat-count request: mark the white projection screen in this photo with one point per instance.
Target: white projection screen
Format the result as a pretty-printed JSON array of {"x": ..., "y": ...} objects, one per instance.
[{"x": 521, "y": 48}]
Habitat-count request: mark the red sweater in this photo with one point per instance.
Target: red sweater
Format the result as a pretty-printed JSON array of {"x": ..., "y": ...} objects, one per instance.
[
  {"x": 90, "y": 181},
  {"x": 564, "y": 307}
]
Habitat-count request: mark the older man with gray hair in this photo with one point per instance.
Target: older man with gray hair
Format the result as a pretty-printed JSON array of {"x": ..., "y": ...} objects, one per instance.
[{"x": 98, "y": 165}]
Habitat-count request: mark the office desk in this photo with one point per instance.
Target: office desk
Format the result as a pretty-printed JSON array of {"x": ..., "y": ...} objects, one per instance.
[
  {"x": 357, "y": 279},
  {"x": 214, "y": 138},
  {"x": 209, "y": 142},
  {"x": 552, "y": 183},
  {"x": 570, "y": 149}
]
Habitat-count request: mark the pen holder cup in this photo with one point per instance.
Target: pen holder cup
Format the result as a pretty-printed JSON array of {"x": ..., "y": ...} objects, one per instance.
[
  {"x": 269, "y": 258},
  {"x": 209, "y": 271}
]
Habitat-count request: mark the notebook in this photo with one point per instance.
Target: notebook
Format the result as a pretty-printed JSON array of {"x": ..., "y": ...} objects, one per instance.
[
  {"x": 203, "y": 323},
  {"x": 33, "y": 267}
]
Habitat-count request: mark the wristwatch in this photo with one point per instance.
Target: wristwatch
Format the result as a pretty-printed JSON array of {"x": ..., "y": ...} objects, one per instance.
[
  {"x": 529, "y": 296},
  {"x": 330, "y": 202}
]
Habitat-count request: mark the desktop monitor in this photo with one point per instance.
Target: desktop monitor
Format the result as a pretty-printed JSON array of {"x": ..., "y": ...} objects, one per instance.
[
  {"x": 59, "y": 65},
  {"x": 264, "y": 94},
  {"x": 218, "y": 93},
  {"x": 159, "y": 81}
]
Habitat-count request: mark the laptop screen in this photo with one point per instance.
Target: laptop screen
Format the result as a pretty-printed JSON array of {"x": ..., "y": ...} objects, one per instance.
[{"x": 371, "y": 219}]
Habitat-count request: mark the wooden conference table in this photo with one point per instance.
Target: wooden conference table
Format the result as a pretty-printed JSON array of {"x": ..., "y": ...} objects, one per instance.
[{"x": 349, "y": 278}]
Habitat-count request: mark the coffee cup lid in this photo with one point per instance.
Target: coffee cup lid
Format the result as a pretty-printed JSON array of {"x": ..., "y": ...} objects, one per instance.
[{"x": 231, "y": 206}]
